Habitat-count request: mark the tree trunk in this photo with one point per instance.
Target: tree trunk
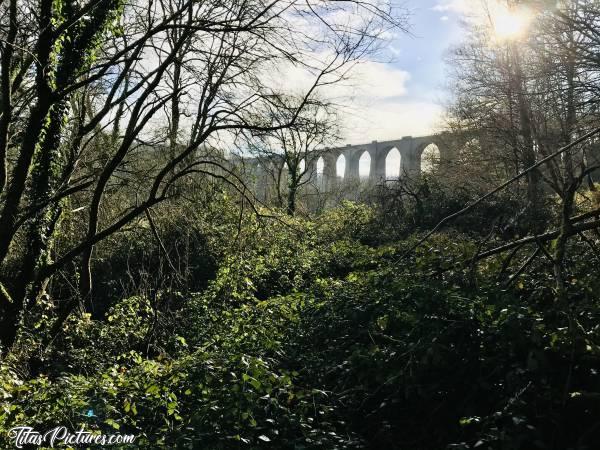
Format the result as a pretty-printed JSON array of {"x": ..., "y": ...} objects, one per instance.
[
  {"x": 528, "y": 150},
  {"x": 291, "y": 200},
  {"x": 5, "y": 90}
]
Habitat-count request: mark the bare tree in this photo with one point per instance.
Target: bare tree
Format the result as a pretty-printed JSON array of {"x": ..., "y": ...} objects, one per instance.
[
  {"x": 72, "y": 70},
  {"x": 530, "y": 95},
  {"x": 289, "y": 155}
]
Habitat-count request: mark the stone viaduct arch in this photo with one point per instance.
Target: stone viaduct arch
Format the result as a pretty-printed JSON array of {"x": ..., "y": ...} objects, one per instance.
[{"x": 410, "y": 148}]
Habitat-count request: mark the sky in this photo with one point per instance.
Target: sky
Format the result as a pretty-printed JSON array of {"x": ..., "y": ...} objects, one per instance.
[{"x": 405, "y": 96}]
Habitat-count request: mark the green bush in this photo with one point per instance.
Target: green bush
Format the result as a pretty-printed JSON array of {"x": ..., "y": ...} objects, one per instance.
[{"x": 312, "y": 334}]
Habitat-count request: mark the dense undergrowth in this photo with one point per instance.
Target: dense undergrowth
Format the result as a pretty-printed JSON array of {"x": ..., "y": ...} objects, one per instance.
[{"x": 309, "y": 335}]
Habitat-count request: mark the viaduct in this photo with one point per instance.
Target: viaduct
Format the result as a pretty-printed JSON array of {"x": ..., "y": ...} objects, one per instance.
[
  {"x": 416, "y": 155},
  {"x": 411, "y": 151}
]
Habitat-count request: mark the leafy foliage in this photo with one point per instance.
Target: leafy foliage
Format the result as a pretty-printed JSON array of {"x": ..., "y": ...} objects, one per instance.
[{"x": 307, "y": 336}]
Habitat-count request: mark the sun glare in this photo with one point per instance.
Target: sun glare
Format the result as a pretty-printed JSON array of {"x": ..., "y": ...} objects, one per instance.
[{"x": 509, "y": 23}]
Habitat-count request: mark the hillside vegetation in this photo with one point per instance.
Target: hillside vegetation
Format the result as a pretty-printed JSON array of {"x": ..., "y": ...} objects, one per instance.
[{"x": 319, "y": 334}]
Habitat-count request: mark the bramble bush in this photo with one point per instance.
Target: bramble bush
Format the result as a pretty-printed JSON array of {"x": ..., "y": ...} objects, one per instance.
[{"x": 308, "y": 335}]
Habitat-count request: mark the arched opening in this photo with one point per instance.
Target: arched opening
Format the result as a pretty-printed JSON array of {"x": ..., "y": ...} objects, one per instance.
[
  {"x": 364, "y": 165},
  {"x": 340, "y": 166},
  {"x": 302, "y": 169},
  {"x": 320, "y": 166},
  {"x": 393, "y": 162},
  {"x": 302, "y": 166},
  {"x": 430, "y": 158},
  {"x": 258, "y": 172}
]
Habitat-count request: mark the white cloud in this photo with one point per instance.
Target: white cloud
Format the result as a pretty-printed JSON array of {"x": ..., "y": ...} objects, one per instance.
[
  {"x": 374, "y": 97},
  {"x": 457, "y": 6},
  {"x": 366, "y": 79},
  {"x": 391, "y": 120},
  {"x": 374, "y": 102},
  {"x": 380, "y": 108},
  {"x": 469, "y": 9},
  {"x": 378, "y": 80}
]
